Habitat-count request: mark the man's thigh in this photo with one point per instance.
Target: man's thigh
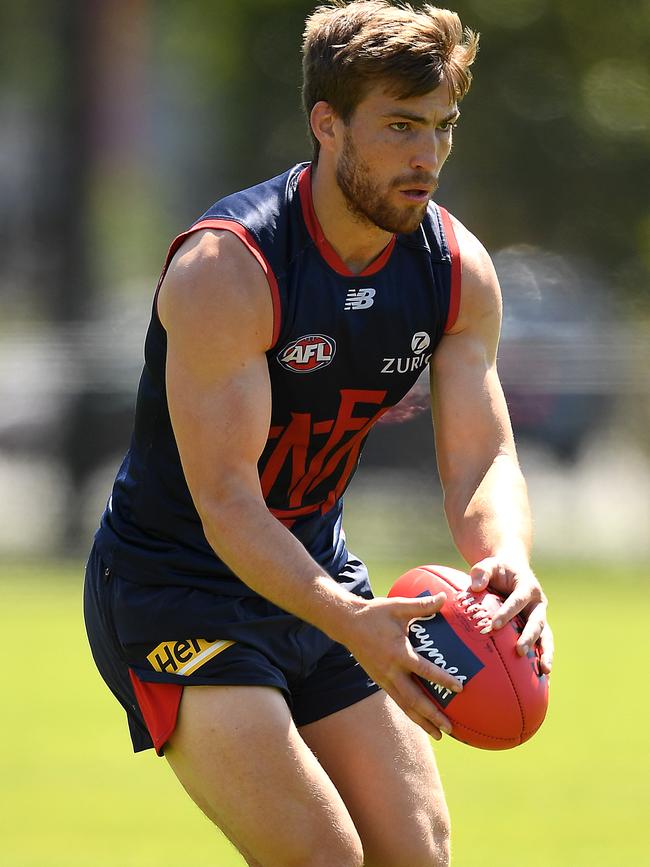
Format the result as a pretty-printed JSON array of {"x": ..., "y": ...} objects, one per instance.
[
  {"x": 238, "y": 754},
  {"x": 383, "y": 766}
]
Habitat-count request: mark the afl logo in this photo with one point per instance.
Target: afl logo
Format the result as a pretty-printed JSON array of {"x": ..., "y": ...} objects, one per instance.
[
  {"x": 420, "y": 342},
  {"x": 308, "y": 353}
]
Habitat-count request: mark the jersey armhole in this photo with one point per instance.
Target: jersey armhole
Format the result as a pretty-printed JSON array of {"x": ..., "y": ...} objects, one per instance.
[
  {"x": 454, "y": 252},
  {"x": 250, "y": 243}
]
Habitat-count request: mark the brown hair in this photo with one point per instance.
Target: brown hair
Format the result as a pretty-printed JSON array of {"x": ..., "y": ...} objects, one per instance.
[{"x": 349, "y": 45}]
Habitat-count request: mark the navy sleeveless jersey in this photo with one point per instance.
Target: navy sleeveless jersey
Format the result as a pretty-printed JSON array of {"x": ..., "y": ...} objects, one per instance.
[{"x": 345, "y": 349}]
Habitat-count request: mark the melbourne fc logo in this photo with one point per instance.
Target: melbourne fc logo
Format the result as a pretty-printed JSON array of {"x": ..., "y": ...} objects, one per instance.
[{"x": 308, "y": 353}]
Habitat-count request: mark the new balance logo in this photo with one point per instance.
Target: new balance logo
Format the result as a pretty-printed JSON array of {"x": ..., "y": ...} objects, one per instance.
[{"x": 359, "y": 299}]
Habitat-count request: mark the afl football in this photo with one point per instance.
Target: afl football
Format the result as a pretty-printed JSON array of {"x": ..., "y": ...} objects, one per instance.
[{"x": 505, "y": 695}]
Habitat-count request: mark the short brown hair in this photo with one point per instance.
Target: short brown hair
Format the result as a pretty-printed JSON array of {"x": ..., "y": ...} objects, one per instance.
[{"x": 349, "y": 45}]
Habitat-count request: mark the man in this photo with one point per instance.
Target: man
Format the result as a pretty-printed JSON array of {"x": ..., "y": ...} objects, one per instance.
[{"x": 223, "y": 608}]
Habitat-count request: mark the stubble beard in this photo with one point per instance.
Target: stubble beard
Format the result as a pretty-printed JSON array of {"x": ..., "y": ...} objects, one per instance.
[{"x": 365, "y": 201}]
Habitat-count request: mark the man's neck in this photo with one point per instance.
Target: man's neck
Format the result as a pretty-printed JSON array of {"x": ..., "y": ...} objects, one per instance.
[{"x": 357, "y": 241}]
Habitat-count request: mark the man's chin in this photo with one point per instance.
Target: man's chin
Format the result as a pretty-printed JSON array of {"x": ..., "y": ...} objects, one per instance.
[
  {"x": 404, "y": 224},
  {"x": 397, "y": 221}
]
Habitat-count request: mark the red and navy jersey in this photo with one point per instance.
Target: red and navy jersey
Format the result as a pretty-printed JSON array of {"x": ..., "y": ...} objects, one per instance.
[{"x": 346, "y": 347}]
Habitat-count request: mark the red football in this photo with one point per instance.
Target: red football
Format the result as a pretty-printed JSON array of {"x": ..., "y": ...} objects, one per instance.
[{"x": 505, "y": 696}]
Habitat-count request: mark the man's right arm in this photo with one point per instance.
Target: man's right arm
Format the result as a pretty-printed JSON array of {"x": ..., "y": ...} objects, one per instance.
[{"x": 215, "y": 306}]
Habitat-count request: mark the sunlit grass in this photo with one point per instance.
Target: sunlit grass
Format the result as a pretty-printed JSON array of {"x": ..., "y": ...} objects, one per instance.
[{"x": 74, "y": 795}]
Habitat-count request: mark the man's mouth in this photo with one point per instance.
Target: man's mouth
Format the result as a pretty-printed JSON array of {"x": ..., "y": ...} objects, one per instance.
[
  {"x": 416, "y": 194},
  {"x": 417, "y": 189}
]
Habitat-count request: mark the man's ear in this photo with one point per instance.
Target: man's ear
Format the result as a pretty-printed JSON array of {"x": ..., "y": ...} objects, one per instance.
[{"x": 323, "y": 120}]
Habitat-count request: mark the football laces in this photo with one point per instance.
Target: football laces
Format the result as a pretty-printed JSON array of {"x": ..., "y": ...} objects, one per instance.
[{"x": 476, "y": 611}]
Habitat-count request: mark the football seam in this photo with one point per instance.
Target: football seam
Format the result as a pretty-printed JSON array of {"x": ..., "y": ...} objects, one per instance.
[
  {"x": 512, "y": 738},
  {"x": 479, "y": 732},
  {"x": 514, "y": 688}
]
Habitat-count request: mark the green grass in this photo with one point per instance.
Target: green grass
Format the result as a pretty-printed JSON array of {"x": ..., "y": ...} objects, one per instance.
[{"x": 74, "y": 795}]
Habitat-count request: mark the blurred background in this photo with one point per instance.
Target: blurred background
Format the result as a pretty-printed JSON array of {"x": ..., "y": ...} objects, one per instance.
[{"x": 122, "y": 121}]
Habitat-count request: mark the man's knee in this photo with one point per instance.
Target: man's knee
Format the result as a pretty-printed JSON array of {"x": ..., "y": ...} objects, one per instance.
[
  {"x": 427, "y": 844},
  {"x": 326, "y": 846},
  {"x": 330, "y": 851},
  {"x": 340, "y": 852},
  {"x": 434, "y": 849}
]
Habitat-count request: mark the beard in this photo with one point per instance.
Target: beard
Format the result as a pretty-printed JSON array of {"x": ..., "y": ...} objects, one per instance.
[{"x": 367, "y": 202}]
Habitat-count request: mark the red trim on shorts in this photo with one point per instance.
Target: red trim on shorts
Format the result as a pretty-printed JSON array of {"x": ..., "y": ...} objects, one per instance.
[
  {"x": 249, "y": 241},
  {"x": 454, "y": 251},
  {"x": 318, "y": 236},
  {"x": 159, "y": 703}
]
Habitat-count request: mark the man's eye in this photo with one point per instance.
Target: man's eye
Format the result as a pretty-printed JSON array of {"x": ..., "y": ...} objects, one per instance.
[
  {"x": 448, "y": 125},
  {"x": 400, "y": 126}
]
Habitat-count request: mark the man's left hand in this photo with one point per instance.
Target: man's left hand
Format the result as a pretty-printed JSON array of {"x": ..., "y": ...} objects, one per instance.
[{"x": 524, "y": 595}]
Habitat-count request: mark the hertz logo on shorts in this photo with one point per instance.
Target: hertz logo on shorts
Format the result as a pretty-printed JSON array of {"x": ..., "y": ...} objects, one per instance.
[{"x": 184, "y": 657}]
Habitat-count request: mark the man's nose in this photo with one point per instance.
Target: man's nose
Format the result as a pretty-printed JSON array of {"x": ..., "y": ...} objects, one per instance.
[{"x": 428, "y": 155}]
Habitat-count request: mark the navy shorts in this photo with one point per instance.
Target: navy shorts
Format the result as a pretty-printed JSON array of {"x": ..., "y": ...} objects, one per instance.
[{"x": 149, "y": 642}]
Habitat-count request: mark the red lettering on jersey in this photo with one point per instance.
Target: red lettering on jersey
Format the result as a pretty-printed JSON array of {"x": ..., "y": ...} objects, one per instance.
[
  {"x": 325, "y": 462},
  {"x": 294, "y": 442}
]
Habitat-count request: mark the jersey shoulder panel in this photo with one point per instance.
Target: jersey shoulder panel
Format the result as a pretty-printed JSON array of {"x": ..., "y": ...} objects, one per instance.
[{"x": 265, "y": 211}]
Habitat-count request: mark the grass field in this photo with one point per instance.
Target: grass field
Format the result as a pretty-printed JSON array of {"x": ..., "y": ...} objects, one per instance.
[{"x": 73, "y": 795}]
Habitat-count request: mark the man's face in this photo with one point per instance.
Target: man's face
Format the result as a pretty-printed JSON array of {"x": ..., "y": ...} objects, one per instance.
[{"x": 391, "y": 156}]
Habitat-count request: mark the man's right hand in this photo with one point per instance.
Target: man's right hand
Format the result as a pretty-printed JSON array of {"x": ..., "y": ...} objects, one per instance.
[{"x": 378, "y": 639}]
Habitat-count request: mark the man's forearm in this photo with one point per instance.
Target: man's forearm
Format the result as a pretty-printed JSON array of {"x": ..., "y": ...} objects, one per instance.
[
  {"x": 493, "y": 516},
  {"x": 270, "y": 560}
]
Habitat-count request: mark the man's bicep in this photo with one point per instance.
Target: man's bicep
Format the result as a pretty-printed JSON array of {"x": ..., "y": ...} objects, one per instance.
[
  {"x": 217, "y": 316},
  {"x": 220, "y": 426},
  {"x": 471, "y": 421},
  {"x": 470, "y": 415}
]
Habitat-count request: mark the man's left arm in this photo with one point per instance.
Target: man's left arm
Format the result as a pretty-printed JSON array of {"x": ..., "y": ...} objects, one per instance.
[{"x": 486, "y": 500}]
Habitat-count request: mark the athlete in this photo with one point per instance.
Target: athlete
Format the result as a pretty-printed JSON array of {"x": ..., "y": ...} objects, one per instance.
[{"x": 223, "y": 607}]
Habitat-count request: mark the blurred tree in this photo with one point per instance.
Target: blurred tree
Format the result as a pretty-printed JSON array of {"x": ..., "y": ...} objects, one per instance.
[
  {"x": 44, "y": 159},
  {"x": 555, "y": 149}
]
